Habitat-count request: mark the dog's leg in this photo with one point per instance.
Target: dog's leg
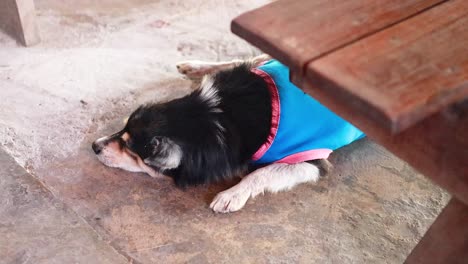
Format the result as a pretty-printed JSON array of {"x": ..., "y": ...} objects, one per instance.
[
  {"x": 256, "y": 61},
  {"x": 197, "y": 69},
  {"x": 274, "y": 178}
]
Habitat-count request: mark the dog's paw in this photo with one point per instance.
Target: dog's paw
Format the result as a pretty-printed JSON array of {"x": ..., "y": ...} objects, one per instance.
[
  {"x": 230, "y": 200},
  {"x": 193, "y": 69}
]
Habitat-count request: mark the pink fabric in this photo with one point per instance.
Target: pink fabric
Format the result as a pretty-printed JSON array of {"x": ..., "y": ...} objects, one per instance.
[
  {"x": 275, "y": 119},
  {"x": 306, "y": 155},
  {"x": 275, "y": 113}
]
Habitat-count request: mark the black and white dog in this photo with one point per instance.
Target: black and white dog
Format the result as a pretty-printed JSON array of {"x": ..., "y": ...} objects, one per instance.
[{"x": 209, "y": 135}]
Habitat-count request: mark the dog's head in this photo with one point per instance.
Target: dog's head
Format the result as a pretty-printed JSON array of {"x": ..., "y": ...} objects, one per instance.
[
  {"x": 143, "y": 145},
  {"x": 187, "y": 139}
]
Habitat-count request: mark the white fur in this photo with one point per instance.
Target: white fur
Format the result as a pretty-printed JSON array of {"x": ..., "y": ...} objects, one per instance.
[
  {"x": 169, "y": 157},
  {"x": 197, "y": 69},
  {"x": 209, "y": 93},
  {"x": 220, "y": 133},
  {"x": 174, "y": 157},
  {"x": 112, "y": 156},
  {"x": 274, "y": 178}
]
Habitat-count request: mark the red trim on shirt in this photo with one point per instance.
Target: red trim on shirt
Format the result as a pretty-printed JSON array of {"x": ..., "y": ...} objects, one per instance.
[{"x": 275, "y": 113}]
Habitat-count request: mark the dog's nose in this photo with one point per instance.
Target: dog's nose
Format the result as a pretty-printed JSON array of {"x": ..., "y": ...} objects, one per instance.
[{"x": 96, "y": 148}]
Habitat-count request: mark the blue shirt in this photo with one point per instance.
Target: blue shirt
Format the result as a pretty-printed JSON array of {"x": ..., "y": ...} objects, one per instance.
[{"x": 302, "y": 129}]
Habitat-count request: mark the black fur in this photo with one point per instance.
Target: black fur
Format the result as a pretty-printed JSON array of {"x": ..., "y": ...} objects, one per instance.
[{"x": 191, "y": 122}]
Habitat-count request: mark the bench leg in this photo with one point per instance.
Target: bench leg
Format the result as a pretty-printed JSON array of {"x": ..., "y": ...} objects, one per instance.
[
  {"x": 18, "y": 19},
  {"x": 446, "y": 241}
]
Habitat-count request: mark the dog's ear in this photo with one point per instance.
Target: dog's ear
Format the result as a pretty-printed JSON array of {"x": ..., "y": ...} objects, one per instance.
[{"x": 164, "y": 153}]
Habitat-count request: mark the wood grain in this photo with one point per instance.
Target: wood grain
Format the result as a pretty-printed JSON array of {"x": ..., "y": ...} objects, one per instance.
[
  {"x": 405, "y": 73},
  {"x": 436, "y": 146},
  {"x": 296, "y": 32},
  {"x": 446, "y": 241}
]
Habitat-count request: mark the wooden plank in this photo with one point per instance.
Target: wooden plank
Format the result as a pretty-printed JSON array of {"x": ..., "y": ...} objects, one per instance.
[
  {"x": 436, "y": 146},
  {"x": 296, "y": 32},
  {"x": 405, "y": 73},
  {"x": 446, "y": 241},
  {"x": 18, "y": 18}
]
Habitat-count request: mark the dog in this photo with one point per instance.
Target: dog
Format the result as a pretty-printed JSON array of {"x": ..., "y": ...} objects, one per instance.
[{"x": 244, "y": 120}]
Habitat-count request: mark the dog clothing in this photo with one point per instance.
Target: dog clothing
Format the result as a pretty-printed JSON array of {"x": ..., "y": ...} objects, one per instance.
[{"x": 302, "y": 129}]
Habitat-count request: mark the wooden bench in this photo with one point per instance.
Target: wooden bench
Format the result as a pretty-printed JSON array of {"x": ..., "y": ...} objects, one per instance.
[{"x": 398, "y": 70}]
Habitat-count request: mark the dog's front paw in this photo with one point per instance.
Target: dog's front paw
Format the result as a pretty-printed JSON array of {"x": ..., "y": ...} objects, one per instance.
[
  {"x": 230, "y": 200},
  {"x": 193, "y": 69}
]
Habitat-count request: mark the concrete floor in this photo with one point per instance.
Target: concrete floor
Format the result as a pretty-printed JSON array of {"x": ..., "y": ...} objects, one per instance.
[{"x": 100, "y": 59}]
